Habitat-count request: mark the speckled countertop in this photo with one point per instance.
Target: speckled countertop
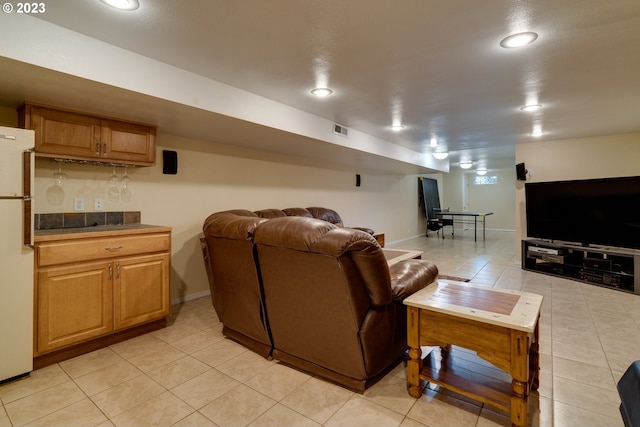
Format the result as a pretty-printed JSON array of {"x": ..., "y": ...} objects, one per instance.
[{"x": 97, "y": 231}]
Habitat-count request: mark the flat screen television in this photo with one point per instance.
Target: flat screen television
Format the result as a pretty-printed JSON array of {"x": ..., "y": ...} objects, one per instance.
[{"x": 603, "y": 212}]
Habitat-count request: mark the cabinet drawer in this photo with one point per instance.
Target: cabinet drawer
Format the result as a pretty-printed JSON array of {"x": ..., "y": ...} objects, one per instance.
[{"x": 69, "y": 251}]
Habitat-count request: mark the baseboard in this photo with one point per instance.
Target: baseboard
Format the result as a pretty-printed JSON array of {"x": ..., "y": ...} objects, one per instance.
[
  {"x": 403, "y": 240},
  {"x": 467, "y": 229},
  {"x": 190, "y": 297}
]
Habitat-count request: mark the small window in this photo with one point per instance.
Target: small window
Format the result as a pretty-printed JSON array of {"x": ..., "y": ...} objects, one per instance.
[{"x": 485, "y": 180}]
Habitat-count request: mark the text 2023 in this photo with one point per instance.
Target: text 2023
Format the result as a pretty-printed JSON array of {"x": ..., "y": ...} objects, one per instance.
[{"x": 30, "y": 8}]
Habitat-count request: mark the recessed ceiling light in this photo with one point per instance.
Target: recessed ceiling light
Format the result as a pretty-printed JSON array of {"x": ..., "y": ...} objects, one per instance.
[
  {"x": 396, "y": 128},
  {"x": 531, "y": 107},
  {"x": 466, "y": 165},
  {"x": 537, "y": 130},
  {"x": 322, "y": 92},
  {"x": 122, "y": 4},
  {"x": 440, "y": 156},
  {"x": 518, "y": 40},
  {"x": 433, "y": 142}
]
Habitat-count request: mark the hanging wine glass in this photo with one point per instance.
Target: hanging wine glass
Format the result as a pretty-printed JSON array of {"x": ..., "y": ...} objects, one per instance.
[
  {"x": 59, "y": 176},
  {"x": 55, "y": 193},
  {"x": 113, "y": 192},
  {"x": 125, "y": 191}
]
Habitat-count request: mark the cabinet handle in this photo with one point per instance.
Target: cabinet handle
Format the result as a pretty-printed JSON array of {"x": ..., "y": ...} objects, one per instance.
[
  {"x": 110, "y": 272},
  {"x": 117, "y": 270},
  {"x": 104, "y": 148},
  {"x": 114, "y": 248},
  {"x": 97, "y": 148}
]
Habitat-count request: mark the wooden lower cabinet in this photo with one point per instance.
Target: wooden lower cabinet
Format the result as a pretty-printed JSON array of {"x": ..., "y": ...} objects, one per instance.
[
  {"x": 74, "y": 304},
  {"x": 81, "y": 300},
  {"x": 140, "y": 290}
]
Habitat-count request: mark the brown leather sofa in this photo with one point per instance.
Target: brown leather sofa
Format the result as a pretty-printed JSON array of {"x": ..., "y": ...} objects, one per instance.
[
  {"x": 322, "y": 296},
  {"x": 236, "y": 291}
]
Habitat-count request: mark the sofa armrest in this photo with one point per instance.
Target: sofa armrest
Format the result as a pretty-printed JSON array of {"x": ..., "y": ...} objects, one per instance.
[{"x": 410, "y": 276}]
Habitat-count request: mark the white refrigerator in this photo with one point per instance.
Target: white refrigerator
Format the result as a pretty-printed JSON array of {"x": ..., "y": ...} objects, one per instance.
[{"x": 16, "y": 252}]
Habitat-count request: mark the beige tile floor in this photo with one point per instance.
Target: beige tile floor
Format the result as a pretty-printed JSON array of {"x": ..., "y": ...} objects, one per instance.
[{"x": 190, "y": 375}]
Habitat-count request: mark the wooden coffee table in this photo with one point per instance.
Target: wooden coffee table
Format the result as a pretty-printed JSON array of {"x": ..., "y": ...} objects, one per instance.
[{"x": 500, "y": 326}]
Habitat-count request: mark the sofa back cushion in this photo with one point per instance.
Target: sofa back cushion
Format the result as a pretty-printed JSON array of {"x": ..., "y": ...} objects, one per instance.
[
  {"x": 326, "y": 214},
  {"x": 270, "y": 213},
  {"x": 319, "y": 282},
  {"x": 297, "y": 212}
]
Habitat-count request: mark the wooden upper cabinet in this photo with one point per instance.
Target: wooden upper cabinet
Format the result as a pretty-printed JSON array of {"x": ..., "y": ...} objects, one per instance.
[
  {"x": 128, "y": 142},
  {"x": 78, "y": 136},
  {"x": 64, "y": 133}
]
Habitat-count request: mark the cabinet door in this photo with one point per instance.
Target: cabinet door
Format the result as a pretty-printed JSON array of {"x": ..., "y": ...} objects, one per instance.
[
  {"x": 141, "y": 289},
  {"x": 73, "y": 304},
  {"x": 128, "y": 142},
  {"x": 65, "y": 134}
]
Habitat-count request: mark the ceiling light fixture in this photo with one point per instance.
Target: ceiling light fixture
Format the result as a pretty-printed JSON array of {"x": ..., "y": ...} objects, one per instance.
[
  {"x": 396, "y": 128},
  {"x": 466, "y": 164},
  {"x": 481, "y": 172},
  {"x": 122, "y": 4},
  {"x": 440, "y": 156},
  {"x": 531, "y": 107},
  {"x": 537, "y": 131},
  {"x": 518, "y": 40},
  {"x": 434, "y": 142},
  {"x": 321, "y": 92}
]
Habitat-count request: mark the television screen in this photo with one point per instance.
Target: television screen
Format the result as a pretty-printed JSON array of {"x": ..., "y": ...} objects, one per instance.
[{"x": 604, "y": 212}]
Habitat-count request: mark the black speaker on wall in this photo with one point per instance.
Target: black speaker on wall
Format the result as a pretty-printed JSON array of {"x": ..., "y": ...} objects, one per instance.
[
  {"x": 521, "y": 172},
  {"x": 169, "y": 162},
  {"x": 357, "y": 180}
]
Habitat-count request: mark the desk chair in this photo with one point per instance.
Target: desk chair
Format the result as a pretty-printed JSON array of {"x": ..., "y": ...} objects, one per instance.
[{"x": 441, "y": 222}]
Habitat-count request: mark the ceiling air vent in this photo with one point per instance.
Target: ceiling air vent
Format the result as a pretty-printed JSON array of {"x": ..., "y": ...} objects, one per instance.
[{"x": 340, "y": 130}]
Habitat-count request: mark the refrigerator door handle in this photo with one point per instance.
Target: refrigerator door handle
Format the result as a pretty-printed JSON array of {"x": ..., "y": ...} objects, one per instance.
[
  {"x": 28, "y": 157},
  {"x": 28, "y": 223},
  {"x": 27, "y": 164}
]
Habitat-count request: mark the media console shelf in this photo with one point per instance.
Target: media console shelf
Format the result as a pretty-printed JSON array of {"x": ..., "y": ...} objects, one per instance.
[{"x": 612, "y": 268}]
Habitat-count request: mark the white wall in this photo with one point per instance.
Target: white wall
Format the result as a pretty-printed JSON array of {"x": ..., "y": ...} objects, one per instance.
[
  {"x": 213, "y": 177},
  {"x": 596, "y": 157},
  {"x": 498, "y": 198}
]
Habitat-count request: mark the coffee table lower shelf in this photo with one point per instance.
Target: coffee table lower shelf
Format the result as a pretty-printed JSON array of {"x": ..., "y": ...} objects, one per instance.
[{"x": 465, "y": 373}]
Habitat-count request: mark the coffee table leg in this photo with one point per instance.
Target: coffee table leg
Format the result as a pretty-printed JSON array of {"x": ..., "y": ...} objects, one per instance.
[
  {"x": 534, "y": 359},
  {"x": 414, "y": 364},
  {"x": 520, "y": 378}
]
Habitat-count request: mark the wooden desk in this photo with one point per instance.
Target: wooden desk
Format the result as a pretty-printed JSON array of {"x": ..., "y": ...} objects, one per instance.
[
  {"x": 500, "y": 326},
  {"x": 394, "y": 256}
]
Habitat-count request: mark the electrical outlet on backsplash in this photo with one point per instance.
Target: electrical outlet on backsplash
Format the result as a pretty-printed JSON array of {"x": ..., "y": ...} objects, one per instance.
[{"x": 48, "y": 221}]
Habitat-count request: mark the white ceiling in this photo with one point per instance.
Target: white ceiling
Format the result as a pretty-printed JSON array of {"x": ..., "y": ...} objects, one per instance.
[{"x": 435, "y": 65}]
